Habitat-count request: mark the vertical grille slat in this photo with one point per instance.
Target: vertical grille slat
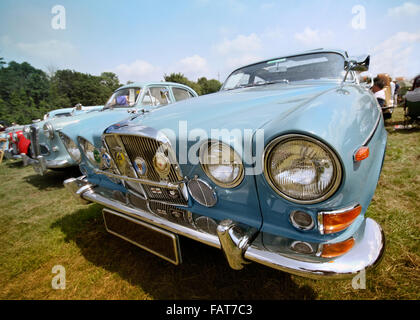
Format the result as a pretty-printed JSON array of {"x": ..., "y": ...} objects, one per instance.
[{"x": 34, "y": 141}]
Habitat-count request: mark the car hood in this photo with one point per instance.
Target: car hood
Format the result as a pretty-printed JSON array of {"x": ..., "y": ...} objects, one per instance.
[
  {"x": 244, "y": 108},
  {"x": 92, "y": 127},
  {"x": 60, "y": 123}
]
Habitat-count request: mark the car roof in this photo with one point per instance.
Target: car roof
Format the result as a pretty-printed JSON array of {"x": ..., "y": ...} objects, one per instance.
[{"x": 154, "y": 83}]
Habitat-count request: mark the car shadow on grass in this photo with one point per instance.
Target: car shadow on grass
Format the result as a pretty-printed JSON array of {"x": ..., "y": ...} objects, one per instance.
[
  {"x": 204, "y": 273},
  {"x": 52, "y": 179},
  {"x": 12, "y": 163}
]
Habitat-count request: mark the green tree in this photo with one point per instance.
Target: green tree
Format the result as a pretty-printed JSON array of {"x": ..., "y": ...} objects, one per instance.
[
  {"x": 208, "y": 86},
  {"x": 27, "y": 93},
  {"x": 180, "y": 78}
]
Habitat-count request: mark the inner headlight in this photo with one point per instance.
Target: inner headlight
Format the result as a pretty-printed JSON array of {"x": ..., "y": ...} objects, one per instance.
[
  {"x": 26, "y": 132},
  {"x": 48, "y": 130},
  {"x": 221, "y": 164},
  {"x": 302, "y": 169},
  {"x": 71, "y": 147},
  {"x": 90, "y": 151}
]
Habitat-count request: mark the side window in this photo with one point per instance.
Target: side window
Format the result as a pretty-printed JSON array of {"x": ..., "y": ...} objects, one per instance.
[
  {"x": 156, "y": 96},
  {"x": 181, "y": 94}
]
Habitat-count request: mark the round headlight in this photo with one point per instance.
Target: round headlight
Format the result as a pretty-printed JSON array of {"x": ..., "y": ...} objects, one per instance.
[
  {"x": 90, "y": 151},
  {"x": 221, "y": 164},
  {"x": 302, "y": 169},
  {"x": 48, "y": 130},
  {"x": 71, "y": 147}
]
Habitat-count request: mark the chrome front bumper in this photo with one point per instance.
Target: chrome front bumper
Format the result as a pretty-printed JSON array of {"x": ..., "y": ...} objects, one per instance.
[
  {"x": 41, "y": 165},
  {"x": 242, "y": 248},
  {"x": 8, "y": 154}
]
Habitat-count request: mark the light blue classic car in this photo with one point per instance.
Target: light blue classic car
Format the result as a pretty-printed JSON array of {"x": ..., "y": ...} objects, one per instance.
[
  {"x": 63, "y": 135},
  {"x": 46, "y": 150},
  {"x": 279, "y": 168}
]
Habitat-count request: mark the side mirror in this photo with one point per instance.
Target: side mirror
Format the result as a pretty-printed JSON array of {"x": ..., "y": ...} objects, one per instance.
[{"x": 359, "y": 64}]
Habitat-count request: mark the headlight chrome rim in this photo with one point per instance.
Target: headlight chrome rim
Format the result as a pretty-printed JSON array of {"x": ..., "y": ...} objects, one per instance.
[
  {"x": 93, "y": 161},
  {"x": 26, "y": 132},
  {"x": 64, "y": 137},
  {"x": 237, "y": 181},
  {"x": 338, "y": 169},
  {"x": 48, "y": 130}
]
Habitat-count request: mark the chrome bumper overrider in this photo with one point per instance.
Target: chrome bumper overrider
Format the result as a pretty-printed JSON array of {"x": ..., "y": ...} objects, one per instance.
[
  {"x": 241, "y": 248},
  {"x": 41, "y": 165}
]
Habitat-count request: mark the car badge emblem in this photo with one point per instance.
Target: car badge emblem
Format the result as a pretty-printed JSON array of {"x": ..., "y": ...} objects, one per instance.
[
  {"x": 140, "y": 166},
  {"x": 161, "y": 164},
  {"x": 120, "y": 159},
  {"x": 97, "y": 155},
  {"x": 106, "y": 161}
]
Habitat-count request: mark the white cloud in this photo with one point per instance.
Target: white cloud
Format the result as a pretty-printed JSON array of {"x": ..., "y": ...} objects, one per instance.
[
  {"x": 49, "y": 51},
  {"x": 138, "y": 70},
  {"x": 243, "y": 60},
  {"x": 395, "y": 54},
  {"x": 193, "y": 67},
  {"x": 240, "y": 44},
  {"x": 406, "y": 9},
  {"x": 311, "y": 36}
]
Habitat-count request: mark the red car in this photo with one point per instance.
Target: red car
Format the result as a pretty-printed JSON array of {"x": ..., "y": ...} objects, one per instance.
[{"x": 18, "y": 144}]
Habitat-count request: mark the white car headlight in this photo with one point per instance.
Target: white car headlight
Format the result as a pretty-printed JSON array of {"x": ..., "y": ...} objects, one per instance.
[
  {"x": 48, "y": 130},
  {"x": 302, "y": 169},
  {"x": 90, "y": 151},
  {"x": 71, "y": 147},
  {"x": 221, "y": 164}
]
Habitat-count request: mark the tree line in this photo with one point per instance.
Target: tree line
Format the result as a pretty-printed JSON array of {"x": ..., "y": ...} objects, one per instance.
[{"x": 27, "y": 93}]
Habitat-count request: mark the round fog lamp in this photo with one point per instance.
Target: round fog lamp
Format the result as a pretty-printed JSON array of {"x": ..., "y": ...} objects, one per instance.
[
  {"x": 302, "y": 220},
  {"x": 302, "y": 247}
]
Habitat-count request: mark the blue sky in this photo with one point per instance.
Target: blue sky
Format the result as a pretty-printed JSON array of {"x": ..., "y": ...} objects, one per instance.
[{"x": 142, "y": 40}]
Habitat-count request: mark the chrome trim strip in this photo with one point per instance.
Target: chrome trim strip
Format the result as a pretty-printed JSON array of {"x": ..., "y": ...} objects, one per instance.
[
  {"x": 58, "y": 164},
  {"x": 161, "y": 184},
  {"x": 372, "y": 133},
  {"x": 174, "y": 237}
]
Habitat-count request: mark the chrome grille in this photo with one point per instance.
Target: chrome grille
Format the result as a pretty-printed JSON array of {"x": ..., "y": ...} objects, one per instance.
[
  {"x": 171, "y": 213},
  {"x": 164, "y": 194},
  {"x": 146, "y": 148}
]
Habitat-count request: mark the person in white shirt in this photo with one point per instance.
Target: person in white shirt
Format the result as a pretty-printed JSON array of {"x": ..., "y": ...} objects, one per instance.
[{"x": 378, "y": 91}]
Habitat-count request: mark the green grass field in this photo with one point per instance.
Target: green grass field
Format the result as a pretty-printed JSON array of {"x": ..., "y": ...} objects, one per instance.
[{"x": 41, "y": 226}]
